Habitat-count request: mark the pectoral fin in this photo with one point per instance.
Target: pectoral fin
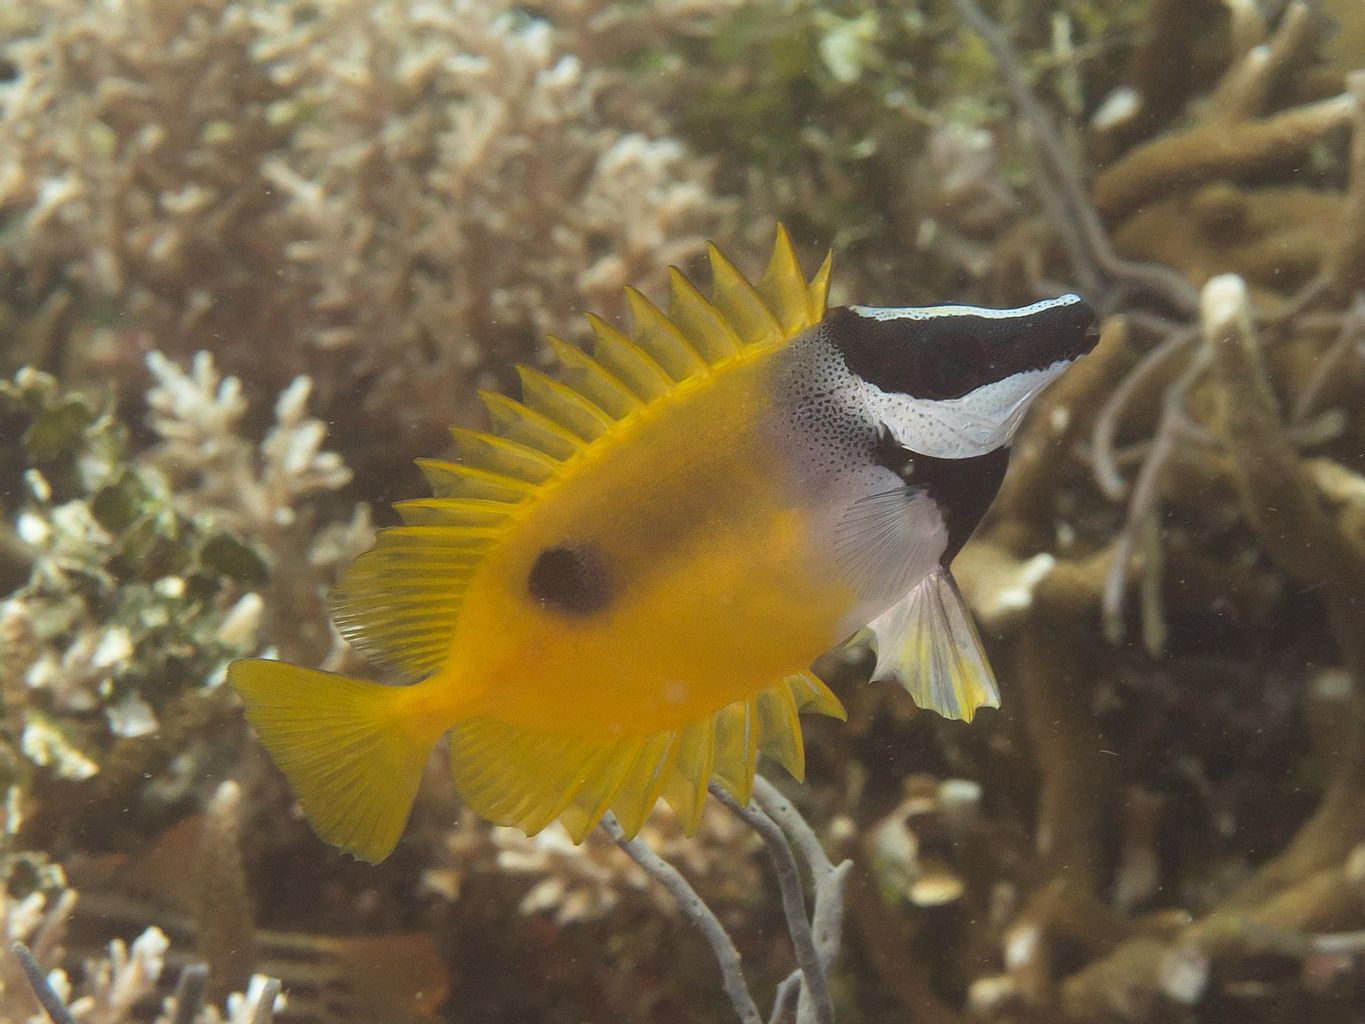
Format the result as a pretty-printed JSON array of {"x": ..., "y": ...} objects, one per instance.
[
  {"x": 927, "y": 641},
  {"x": 883, "y": 541}
]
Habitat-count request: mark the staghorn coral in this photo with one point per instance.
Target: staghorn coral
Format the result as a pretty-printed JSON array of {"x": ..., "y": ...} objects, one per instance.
[
  {"x": 1100, "y": 903},
  {"x": 38, "y": 918},
  {"x": 1163, "y": 823},
  {"x": 127, "y": 977},
  {"x": 389, "y": 192},
  {"x": 139, "y": 588},
  {"x": 36, "y": 985},
  {"x": 582, "y": 883}
]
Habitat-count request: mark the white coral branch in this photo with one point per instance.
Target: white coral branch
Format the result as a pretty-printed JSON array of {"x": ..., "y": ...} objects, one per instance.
[{"x": 197, "y": 415}]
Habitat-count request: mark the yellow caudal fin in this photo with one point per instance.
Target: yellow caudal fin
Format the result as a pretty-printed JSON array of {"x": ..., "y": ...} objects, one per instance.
[
  {"x": 527, "y": 778},
  {"x": 353, "y": 751}
]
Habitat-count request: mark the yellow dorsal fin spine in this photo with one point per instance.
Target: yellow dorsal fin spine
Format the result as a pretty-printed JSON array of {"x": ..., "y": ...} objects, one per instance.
[
  {"x": 589, "y": 377},
  {"x": 595, "y": 797},
  {"x": 454, "y": 480},
  {"x": 631, "y": 364},
  {"x": 452, "y": 511},
  {"x": 811, "y": 694},
  {"x": 739, "y": 303},
  {"x": 540, "y": 806},
  {"x": 561, "y": 403},
  {"x": 502, "y": 455},
  {"x": 780, "y": 731},
  {"x": 699, "y": 321},
  {"x": 517, "y": 422},
  {"x": 693, "y": 763},
  {"x": 783, "y": 288},
  {"x": 660, "y": 337},
  {"x": 640, "y": 791},
  {"x": 736, "y": 755},
  {"x": 818, "y": 290}
]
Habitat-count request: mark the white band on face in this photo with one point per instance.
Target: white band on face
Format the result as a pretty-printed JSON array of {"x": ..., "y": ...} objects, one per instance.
[{"x": 961, "y": 428}]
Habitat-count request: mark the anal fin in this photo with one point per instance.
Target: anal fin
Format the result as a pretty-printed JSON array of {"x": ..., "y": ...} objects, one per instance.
[
  {"x": 928, "y": 642},
  {"x": 884, "y": 540},
  {"x": 527, "y": 777}
]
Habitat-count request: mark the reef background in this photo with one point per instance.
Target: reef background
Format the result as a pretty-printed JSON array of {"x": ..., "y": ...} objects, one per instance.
[{"x": 256, "y": 255}]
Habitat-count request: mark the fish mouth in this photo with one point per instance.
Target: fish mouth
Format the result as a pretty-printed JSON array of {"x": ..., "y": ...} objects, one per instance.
[
  {"x": 1057, "y": 331},
  {"x": 1090, "y": 337},
  {"x": 1075, "y": 331}
]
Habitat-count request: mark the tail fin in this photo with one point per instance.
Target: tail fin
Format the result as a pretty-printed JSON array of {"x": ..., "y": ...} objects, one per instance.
[{"x": 352, "y": 750}]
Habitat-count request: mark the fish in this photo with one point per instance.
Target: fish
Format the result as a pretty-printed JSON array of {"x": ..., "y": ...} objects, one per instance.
[{"x": 615, "y": 594}]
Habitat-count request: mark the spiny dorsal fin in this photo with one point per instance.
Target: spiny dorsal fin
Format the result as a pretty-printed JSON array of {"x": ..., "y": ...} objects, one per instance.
[
  {"x": 739, "y": 302},
  {"x": 398, "y": 602},
  {"x": 659, "y": 336},
  {"x": 698, "y": 321},
  {"x": 631, "y": 364}
]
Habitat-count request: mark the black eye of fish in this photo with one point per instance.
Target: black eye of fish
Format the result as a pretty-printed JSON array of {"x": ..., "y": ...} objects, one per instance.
[{"x": 950, "y": 364}]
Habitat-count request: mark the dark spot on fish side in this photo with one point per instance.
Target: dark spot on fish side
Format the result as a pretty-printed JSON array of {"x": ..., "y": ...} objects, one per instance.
[{"x": 572, "y": 580}]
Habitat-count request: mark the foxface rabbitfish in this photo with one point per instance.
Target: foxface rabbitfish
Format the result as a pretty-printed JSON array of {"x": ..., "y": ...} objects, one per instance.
[{"x": 617, "y": 591}]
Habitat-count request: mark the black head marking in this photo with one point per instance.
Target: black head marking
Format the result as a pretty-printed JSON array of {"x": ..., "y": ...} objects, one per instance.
[
  {"x": 572, "y": 580},
  {"x": 963, "y": 489},
  {"x": 890, "y": 454},
  {"x": 947, "y": 355}
]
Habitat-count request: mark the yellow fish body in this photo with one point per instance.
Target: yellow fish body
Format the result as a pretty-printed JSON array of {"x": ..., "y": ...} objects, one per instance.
[{"x": 615, "y": 595}]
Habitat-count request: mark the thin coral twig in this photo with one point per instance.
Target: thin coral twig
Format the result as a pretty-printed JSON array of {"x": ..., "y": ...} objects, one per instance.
[
  {"x": 1339, "y": 944},
  {"x": 1107, "y": 476},
  {"x": 829, "y": 879},
  {"x": 696, "y": 911},
  {"x": 1352, "y": 329},
  {"x": 1244, "y": 87},
  {"x": 1065, "y": 196},
  {"x": 785, "y": 996},
  {"x": 43, "y": 943},
  {"x": 1212, "y": 151},
  {"x": 265, "y": 1006},
  {"x": 793, "y": 900},
  {"x": 1145, "y": 502},
  {"x": 1047, "y": 155},
  {"x": 42, "y": 991}
]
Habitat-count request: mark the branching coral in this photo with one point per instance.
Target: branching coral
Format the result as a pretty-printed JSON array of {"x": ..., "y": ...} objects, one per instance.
[
  {"x": 35, "y": 985},
  {"x": 397, "y": 199},
  {"x": 815, "y": 938},
  {"x": 128, "y": 976},
  {"x": 254, "y": 491},
  {"x": 1239, "y": 477},
  {"x": 585, "y": 882},
  {"x": 139, "y": 585},
  {"x": 383, "y": 194}
]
